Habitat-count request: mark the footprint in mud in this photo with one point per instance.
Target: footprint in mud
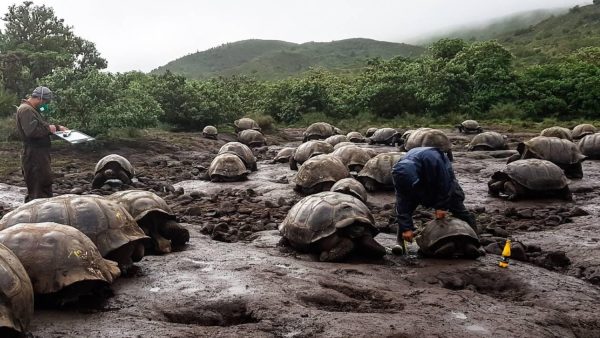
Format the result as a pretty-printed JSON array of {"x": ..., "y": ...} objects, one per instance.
[
  {"x": 215, "y": 313},
  {"x": 338, "y": 297},
  {"x": 494, "y": 284}
]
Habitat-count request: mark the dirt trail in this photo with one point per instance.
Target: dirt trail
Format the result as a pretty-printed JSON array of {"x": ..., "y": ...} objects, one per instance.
[{"x": 233, "y": 279}]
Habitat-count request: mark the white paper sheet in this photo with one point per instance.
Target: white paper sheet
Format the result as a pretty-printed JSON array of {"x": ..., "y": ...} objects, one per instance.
[{"x": 73, "y": 136}]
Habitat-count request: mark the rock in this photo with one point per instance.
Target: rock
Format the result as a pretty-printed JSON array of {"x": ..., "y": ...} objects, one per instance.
[
  {"x": 500, "y": 232},
  {"x": 270, "y": 204},
  {"x": 196, "y": 194},
  {"x": 493, "y": 248},
  {"x": 76, "y": 191},
  {"x": 553, "y": 220},
  {"x": 525, "y": 213},
  {"x": 518, "y": 252},
  {"x": 578, "y": 212},
  {"x": 533, "y": 248},
  {"x": 194, "y": 211},
  {"x": 552, "y": 260},
  {"x": 179, "y": 191}
]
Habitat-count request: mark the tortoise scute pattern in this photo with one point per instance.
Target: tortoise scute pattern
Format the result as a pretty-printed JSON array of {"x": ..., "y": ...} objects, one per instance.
[
  {"x": 438, "y": 230},
  {"x": 308, "y": 149},
  {"x": 227, "y": 165},
  {"x": 318, "y": 216},
  {"x": 379, "y": 168},
  {"x": 16, "y": 292},
  {"x": 538, "y": 175},
  {"x": 122, "y": 161},
  {"x": 555, "y": 149},
  {"x": 489, "y": 140},
  {"x": 140, "y": 203},
  {"x": 590, "y": 146},
  {"x": 319, "y": 169},
  {"x": 107, "y": 223},
  {"x": 559, "y": 132},
  {"x": 56, "y": 256},
  {"x": 582, "y": 130},
  {"x": 427, "y": 137}
]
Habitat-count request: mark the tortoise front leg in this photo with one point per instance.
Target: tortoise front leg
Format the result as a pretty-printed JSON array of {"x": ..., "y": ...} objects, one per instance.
[
  {"x": 175, "y": 232},
  {"x": 123, "y": 177},
  {"x": 98, "y": 181},
  {"x": 335, "y": 248}
]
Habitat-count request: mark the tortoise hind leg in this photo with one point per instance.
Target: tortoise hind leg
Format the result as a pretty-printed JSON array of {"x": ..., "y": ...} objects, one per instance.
[
  {"x": 335, "y": 248},
  {"x": 566, "y": 194},
  {"x": 98, "y": 181}
]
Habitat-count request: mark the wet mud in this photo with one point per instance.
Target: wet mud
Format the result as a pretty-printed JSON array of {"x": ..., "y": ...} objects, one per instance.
[{"x": 234, "y": 279}]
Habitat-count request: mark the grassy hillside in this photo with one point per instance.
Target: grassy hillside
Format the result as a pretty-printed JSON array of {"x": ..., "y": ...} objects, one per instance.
[
  {"x": 497, "y": 27},
  {"x": 555, "y": 36},
  {"x": 270, "y": 59}
]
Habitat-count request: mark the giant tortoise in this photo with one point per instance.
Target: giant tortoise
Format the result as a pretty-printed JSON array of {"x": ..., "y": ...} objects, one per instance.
[
  {"x": 319, "y": 173},
  {"x": 307, "y": 150},
  {"x": 352, "y": 187},
  {"x": 427, "y": 137},
  {"x": 319, "y": 131},
  {"x": 283, "y": 156},
  {"x": 335, "y": 139},
  {"x": 530, "y": 178},
  {"x": 243, "y": 151},
  {"x": 370, "y": 132},
  {"x": 332, "y": 225},
  {"x": 559, "y": 132},
  {"x": 110, "y": 167},
  {"x": 376, "y": 175},
  {"x": 155, "y": 217},
  {"x": 353, "y": 157},
  {"x": 386, "y": 136},
  {"x": 356, "y": 137},
  {"x": 582, "y": 130},
  {"x": 210, "y": 132},
  {"x": 489, "y": 140},
  {"x": 252, "y": 138},
  {"x": 589, "y": 146},
  {"x": 16, "y": 295},
  {"x": 245, "y": 123},
  {"x": 561, "y": 152},
  {"x": 62, "y": 263},
  {"x": 105, "y": 222},
  {"x": 227, "y": 167},
  {"x": 469, "y": 127},
  {"x": 448, "y": 237}
]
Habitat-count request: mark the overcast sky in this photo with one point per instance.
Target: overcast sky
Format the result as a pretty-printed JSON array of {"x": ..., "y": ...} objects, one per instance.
[{"x": 142, "y": 35}]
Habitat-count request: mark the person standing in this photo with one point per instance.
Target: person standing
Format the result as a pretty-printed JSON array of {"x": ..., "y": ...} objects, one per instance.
[
  {"x": 35, "y": 133},
  {"x": 425, "y": 177}
]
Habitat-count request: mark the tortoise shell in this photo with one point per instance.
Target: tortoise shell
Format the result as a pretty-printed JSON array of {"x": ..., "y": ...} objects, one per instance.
[
  {"x": 243, "y": 151},
  {"x": 351, "y": 187},
  {"x": 227, "y": 166},
  {"x": 379, "y": 168},
  {"x": 114, "y": 158},
  {"x": 321, "y": 215},
  {"x": 16, "y": 294},
  {"x": 335, "y": 139},
  {"x": 582, "y": 130},
  {"x": 489, "y": 140},
  {"x": 353, "y": 157},
  {"x": 56, "y": 256},
  {"x": 427, "y": 137},
  {"x": 553, "y": 149},
  {"x": 355, "y": 137},
  {"x": 560, "y": 132},
  {"x": 105, "y": 222},
  {"x": 252, "y": 138},
  {"x": 320, "y": 169},
  {"x": 283, "y": 156},
  {"x": 384, "y": 135},
  {"x": 590, "y": 146},
  {"x": 437, "y": 230},
  {"x": 311, "y": 148},
  {"x": 319, "y": 130},
  {"x": 246, "y": 123},
  {"x": 537, "y": 175}
]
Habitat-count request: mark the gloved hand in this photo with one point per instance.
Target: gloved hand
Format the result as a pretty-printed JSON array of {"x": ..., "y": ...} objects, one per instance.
[
  {"x": 440, "y": 214},
  {"x": 408, "y": 235}
]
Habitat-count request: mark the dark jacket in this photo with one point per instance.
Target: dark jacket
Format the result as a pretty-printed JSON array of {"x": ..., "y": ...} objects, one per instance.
[
  {"x": 423, "y": 177},
  {"x": 35, "y": 161}
]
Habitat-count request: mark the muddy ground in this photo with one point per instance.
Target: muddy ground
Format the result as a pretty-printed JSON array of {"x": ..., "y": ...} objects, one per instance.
[{"x": 234, "y": 280}]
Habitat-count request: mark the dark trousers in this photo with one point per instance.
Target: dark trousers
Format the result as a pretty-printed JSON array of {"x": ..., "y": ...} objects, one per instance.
[
  {"x": 37, "y": 172},
  {"x": 457, "y": 207}
]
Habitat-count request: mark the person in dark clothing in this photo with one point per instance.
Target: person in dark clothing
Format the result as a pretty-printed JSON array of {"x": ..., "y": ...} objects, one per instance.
[
  {"x": 425, "y": 177},
  {"x": 35, "y": 133}
]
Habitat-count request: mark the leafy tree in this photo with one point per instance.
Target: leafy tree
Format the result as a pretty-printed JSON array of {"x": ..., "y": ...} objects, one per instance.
[
  {"x": 35, "y": 42},
  {"x": 95, "y": 102}
]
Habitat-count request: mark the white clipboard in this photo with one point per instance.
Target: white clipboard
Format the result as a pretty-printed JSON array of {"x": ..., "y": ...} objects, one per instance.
[{"x": 74, "y": 136}]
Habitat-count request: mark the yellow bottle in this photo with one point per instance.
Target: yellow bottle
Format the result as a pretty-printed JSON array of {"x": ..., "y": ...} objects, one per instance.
[{"x": 505, "y": 255}]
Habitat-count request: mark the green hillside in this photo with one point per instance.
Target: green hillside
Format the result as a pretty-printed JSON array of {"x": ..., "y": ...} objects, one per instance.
[
  {"x": 270, "y": 59},
  {"x": 555, "y": 36},
  {"x": 496, "y": 27}
]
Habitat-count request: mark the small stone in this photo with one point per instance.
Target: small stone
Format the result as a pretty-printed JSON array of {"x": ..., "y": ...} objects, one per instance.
[
  {"x": 281, "y": 201},
  {"x": 525, "y": 213},
  {"x": 493, "y": 248},
  {"x": 578, "y": 212},
  {"x": 179, "y": 191},
  {"x": 194, "y": 211},
  {"x": 196, "y": 194},
  {"x": 533, "y": 248},
  {"x": 270, "y": 204},
  {"x": 76, "y": 191},
  {"x": 500, "y": 232},
  {"x": 553, "y": 220}
]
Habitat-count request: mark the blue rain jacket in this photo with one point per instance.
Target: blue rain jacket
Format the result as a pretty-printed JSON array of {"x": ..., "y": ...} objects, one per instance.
[{"x": 423, "y": 177}]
